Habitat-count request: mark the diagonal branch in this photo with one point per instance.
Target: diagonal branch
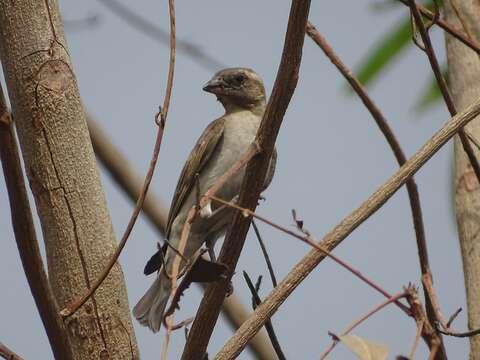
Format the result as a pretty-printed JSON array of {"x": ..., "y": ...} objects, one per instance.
[
  {"x": 26, "y": 238},
  {"x": 8, "y": 354},
  {"x": 278, "y": 295},
  {"x": 382, "y": 123},
  {"x": 283, "y": 89}
]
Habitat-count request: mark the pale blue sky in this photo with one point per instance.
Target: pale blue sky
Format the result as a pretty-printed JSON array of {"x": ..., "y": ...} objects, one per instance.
[{"x": 331, "y": 157}]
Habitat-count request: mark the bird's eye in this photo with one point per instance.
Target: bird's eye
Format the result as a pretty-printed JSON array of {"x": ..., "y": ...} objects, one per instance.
[{"x": 239, "y": 79}]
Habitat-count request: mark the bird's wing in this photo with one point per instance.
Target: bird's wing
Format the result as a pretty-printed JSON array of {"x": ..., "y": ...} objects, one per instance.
[{"x": 197, "y": 159}]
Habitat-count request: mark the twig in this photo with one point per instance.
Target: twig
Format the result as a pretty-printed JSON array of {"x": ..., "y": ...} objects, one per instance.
[
  {"x": 268, "y": 324},
  {"x": 123, "y": 174},
  {"x": 285, "y": 83},
  {"x": 471, "y": 43},
  {"x": 432, "y": 338},
  {"x": 310, "y": 241},
  {"x": 430, "y": 52},
  {"x": 265, "y": 254},
  {"x": 278, "y": 295},
  {"x": 26, "y": 238},
  {"x": 156, "y": 33},
  {"x": 175, "y": 274},
  {"x": 453, "y": 317},
  {"x": 160, "y": 119},
  {"x": 416, "y": 341},
  {"x": 357, "y": 322},
  {"x": 8, "y": 354}
]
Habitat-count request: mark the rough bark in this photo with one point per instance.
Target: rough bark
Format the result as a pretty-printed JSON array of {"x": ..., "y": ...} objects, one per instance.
[
  {"x": 464, "y": 82},
  {"x": 63, "y": 176}
]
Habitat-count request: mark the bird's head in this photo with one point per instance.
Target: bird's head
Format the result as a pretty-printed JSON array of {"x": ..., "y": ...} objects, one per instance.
[{"x": 237, "y": 89}]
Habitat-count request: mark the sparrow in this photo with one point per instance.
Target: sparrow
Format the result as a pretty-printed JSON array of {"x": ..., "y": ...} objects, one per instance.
[{"x": 222, "y": 143}]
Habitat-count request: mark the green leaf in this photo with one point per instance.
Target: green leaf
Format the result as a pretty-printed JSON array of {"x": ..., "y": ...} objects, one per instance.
[
  {"x": 431, "y": 93},
  {"x": 387, "y": 49}
]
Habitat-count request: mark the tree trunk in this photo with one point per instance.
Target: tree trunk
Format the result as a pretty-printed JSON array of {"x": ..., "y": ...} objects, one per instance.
[
  {"x": 63, "y": 176},
  {"x": 464, "y": 82}
]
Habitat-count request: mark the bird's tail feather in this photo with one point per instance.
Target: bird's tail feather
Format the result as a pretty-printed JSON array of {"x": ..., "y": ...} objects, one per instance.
[{"x": 151, "y": 307}]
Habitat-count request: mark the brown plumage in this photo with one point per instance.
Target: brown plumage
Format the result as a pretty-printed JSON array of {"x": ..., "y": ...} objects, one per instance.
[{"x": 222, "y": 143}]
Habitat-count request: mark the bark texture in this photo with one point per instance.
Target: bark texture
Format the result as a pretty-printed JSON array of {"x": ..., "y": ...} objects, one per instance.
[
  {"x": 63, "y": 176},
  {"x": 464, "y": 83}
]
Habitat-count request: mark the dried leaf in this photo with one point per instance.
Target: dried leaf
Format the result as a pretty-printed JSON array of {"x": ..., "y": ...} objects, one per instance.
[{"x": 364, "y": 349}]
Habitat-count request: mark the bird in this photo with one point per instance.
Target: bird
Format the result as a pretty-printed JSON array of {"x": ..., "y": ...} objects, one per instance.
[{"x": 222, "y": 143}]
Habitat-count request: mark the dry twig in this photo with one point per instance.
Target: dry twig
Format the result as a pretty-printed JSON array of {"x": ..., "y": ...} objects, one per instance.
[
  {"x": 268, "y": 324},
  {"x": 265, "y": 254}
]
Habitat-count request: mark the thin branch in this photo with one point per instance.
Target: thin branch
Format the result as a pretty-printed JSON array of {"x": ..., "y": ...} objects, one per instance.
[
  {"x": 156, "y": 33},
  {"x": 357, "y": 322},
  {"x": 471, "y": 43},
  {"x": 175, "y": 274},
  {"x": 26, "y": 238},
  {"x": 123, "y": 174},
  {"x": 453, "y": 317},
  {"x": 160, "y": 120},
  {"x": 285, "y": 83},
  {"x": 268, "y": 324},
  {"x": 310, "y": 241},
  {"x": 428, "y": 48},
  {"x": 8, "y": 354},
  {"x": 416, "y": 341},
  {"x": 428, "y": 331},
  {"x": 278, "y": 295},
  {"x": 265, "y": 254}
]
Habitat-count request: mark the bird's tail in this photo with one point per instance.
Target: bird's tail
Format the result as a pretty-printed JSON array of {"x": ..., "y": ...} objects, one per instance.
[{"x": 151, "y": 307}]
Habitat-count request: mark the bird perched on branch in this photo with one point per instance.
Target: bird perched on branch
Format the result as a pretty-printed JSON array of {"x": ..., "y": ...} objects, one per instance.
[{"x": 221, "y": 145}]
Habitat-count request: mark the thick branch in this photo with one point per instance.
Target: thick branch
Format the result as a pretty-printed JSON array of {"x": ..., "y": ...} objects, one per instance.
[
  {"x": 284, "y": 86},
  {"x": 26, "y": 238},
  {"x": 62, "y": 173},
  {"x": 278, "y": 295}
]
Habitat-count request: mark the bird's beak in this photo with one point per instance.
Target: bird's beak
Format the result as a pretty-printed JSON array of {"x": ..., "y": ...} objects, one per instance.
[{"x": 214, "y": 86}]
